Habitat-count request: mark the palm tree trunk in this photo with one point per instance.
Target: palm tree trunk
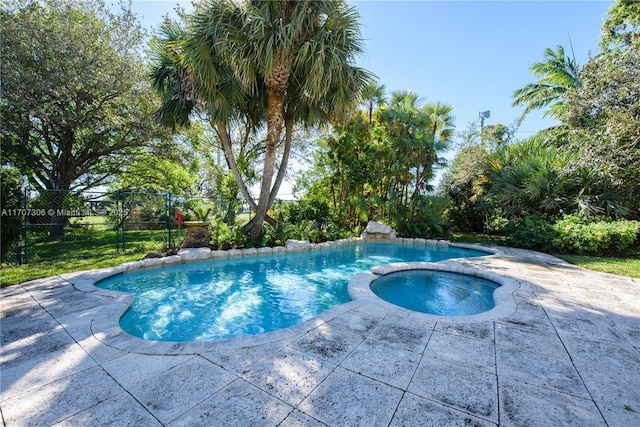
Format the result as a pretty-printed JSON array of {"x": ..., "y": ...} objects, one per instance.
[
  {"x": 276, "y": 89},
  {"x": 231, "y": 162},
  {"x": 288, "y": 135}
]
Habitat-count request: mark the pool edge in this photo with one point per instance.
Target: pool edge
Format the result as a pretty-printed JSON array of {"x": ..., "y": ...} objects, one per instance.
[{"x": 106, "y": 327}]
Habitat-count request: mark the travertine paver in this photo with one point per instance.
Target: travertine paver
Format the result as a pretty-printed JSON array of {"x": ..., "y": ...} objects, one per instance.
[
  {"x": 466, "y": 389},
  {"x": 566, "y": 354}
]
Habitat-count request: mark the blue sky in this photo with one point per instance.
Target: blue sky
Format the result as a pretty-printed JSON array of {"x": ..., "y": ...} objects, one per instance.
[{"x": 469, "y": 54}]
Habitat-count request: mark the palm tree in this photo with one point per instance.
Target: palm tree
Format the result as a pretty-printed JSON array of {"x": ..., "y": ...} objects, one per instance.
[
  {"x": 556, "y": 74},
  {"x": 294, "y": 59},
  {"x": 185, "y": 93},
  {"x": 372, "y": 95},
  {"x": 440, "y": 129}
]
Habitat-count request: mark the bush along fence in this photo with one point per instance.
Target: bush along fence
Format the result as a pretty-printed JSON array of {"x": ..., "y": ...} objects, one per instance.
[{"x": 51, "y": 224}]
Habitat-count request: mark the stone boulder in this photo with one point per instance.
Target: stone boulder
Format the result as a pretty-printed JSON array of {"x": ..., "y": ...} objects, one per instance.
[
  {"x": 197, "y": 237},
  {"x": 377, "y": 230}
]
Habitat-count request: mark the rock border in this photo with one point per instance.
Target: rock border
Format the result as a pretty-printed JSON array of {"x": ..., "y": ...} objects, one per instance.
[{"x": 189, "y": 255}]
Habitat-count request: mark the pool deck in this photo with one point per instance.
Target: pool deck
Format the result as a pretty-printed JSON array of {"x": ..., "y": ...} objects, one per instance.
[{"x": 567, "y": 354}]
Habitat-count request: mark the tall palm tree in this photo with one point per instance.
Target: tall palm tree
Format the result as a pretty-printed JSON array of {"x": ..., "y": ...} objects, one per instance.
[
  {"x": 295, "y": 58},
  {"x": 185, "y": 93},
  {"x": 556, "y": 74},
  {"x": 439, "y": 132},
  {"x": 372, "y": 95}
]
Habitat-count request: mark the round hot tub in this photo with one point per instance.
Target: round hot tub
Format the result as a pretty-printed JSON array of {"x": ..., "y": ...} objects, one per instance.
[{"x": 436, "y": 292}]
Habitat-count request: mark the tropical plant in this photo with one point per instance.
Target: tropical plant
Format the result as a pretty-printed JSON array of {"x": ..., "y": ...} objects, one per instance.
[
  {"x": 274, "y": 62},
  {"x": 556, "y": 74},
  {"x": 621, "y": 27},
  {"x": 372, "y": 96},
  {"x": 402, "y": 144}
]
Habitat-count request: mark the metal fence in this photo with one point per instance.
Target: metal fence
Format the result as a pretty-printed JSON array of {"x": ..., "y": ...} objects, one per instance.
[{"x": 65, "y": 224}]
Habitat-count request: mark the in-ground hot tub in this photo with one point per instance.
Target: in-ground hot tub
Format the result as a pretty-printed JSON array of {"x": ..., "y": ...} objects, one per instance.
[
  {"x": 436, "y": 292},
  {"x": 448, "y": 291}
]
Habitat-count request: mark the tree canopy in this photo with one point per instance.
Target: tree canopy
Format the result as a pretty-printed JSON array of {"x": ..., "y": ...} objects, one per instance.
[
  {"x": 74, "y": 101},
  {"x": 270, "y": 63}
]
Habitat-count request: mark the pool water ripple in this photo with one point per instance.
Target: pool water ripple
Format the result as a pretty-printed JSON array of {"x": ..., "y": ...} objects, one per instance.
[{"x": 234, "y": 297}]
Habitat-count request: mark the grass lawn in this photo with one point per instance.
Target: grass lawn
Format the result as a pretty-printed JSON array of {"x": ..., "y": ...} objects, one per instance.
[
  {"x": 11, "y": 275},
  {"x": 81, "y": 249},
  {"x": 625, "y": 266}
]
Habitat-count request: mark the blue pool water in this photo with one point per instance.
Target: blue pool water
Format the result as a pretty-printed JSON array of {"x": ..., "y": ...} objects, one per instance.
[
  {"x": 436, "y": 292},
  {"x": 230, "y": 298}
]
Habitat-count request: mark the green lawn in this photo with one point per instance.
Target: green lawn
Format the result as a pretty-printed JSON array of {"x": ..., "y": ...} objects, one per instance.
[
  {"x": 81, "y": 249},
  {"x": 625, "y": 266},
  {"x": 11, "y": 275}
]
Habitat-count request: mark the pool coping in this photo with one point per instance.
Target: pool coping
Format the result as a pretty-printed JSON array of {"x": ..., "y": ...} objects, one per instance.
[{"x": 106, "y": 326}]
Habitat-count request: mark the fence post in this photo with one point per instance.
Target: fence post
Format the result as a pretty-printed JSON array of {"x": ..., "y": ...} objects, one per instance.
[
  {"x": 168, "y": 219},
  {"x": 119, "y": 222},
  {"x": 23, "y": 248}
]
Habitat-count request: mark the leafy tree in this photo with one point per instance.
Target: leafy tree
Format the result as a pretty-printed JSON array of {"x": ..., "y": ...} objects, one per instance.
[
  {"x": 10, "y": 197},
  {"x": 465, "y": 181},
  {"x": 603, "y": 115},
  {"x": 621, "y": 28},
  {"x": 73, "y": 99},
  {"x": 401, "y": 144},
  {"x": 556, "y": 74},
  {"x": 275, "y": 62},
  {"x": 462, "y": 184}
]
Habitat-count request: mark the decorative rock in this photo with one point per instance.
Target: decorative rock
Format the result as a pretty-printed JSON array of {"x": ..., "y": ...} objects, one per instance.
[
  {"x": 219, "y": 254},
  {"x": 194, "y": 253},
  {"x": 151, "y": 262},
  {"x": 171, "y": 259},
  {"x": 297, "y": 245},
  {"x": 234, "y": 252},
  {"x": 249, "y": 252},
  {"x": 198, "y": 236},
  {"x": 132, "y": 266},
  {"x": 374, "y": 227},
  {"x": 376, "y": 230}
]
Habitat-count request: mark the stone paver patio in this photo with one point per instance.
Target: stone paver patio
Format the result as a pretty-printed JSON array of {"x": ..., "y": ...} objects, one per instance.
[{"x": 567, "y": 354}]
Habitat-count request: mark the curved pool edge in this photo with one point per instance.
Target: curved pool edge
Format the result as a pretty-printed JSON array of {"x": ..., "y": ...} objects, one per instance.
[
  {"x": 105, "y": 326},
  {"x": 505, "y": 303}
]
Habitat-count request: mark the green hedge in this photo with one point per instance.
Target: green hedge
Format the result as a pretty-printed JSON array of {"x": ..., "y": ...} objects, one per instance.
[
  {"x": 576, "y": 235},
  {"x": 572, "y": 234}
]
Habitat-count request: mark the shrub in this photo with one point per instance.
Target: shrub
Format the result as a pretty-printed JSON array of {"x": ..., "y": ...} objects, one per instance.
[
  {"x": 594, "y": 237},
  {"x": 224, "y": 236},
  {"x": 531, "y": 232},
  {"x": 276, "y": 235},
  {"x": 10, "y": 194},
  {"x": 303, "y": 209}
]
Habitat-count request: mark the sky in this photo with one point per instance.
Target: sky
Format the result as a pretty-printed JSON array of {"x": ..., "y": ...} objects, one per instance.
[{"x": 469, "y": 54}]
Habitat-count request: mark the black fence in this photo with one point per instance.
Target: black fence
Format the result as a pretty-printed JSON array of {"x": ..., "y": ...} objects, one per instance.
[{"x": 53, "y": 224}]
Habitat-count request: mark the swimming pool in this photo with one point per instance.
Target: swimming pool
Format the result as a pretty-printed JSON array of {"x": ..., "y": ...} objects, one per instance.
[{"x": 234, "y": 297}]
